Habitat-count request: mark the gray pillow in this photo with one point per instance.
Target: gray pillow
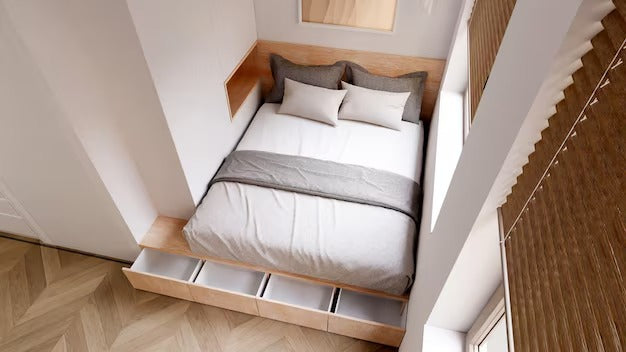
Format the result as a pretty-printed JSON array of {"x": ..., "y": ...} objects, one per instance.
[
  {"x": 410, "y": 82},
  {"x": 326, "y": 76}
]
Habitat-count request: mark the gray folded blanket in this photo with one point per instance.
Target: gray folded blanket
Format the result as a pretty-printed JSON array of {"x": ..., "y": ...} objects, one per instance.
[{"x": 352, "y": 183}]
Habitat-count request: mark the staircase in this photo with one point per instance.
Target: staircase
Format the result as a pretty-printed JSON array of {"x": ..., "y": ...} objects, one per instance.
[{"x": 603, "y": 46}]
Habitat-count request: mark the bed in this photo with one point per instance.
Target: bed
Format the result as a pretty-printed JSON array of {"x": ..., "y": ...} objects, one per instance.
[{"x": 346, "y": 242}]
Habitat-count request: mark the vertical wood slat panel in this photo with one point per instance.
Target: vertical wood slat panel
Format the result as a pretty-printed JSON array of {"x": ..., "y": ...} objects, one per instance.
[
  {"x": 582, "y": 245},
  {"x": 523, "y": 333},
  {"x": 601, "y": 240},
  {"x": 486, "y": 29},
  {"x": 539, "y": 270},
  {"x": 613, "y": 317},
  {"x": 531, "y": 302},
  {"x": 566, "y": 252},
  {"x": 554, "y": 281}
]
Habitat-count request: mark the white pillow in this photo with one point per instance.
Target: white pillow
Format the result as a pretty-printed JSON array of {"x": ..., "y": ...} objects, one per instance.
[
  {"x": 373, "y": 106},
  {"x": 311, "y": 102}
]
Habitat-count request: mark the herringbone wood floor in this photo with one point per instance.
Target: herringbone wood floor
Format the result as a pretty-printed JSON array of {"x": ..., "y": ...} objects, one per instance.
[{"x": 55, "y": 300}]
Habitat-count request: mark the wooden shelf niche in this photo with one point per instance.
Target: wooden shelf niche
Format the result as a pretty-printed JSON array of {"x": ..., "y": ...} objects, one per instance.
[
  {"x": 241, "y": 82},
  {"x": 255, "y": 69}
]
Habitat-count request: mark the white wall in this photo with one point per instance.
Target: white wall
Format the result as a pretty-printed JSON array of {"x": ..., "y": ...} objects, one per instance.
[
  {"x": 585, "y": 26},
  {"x": 449, "y": 146},
  {"x": 443, "y": 340},
  {"x": 534, "y": 34},
  {"x": 191, "y": 47},
  {"x": 43, "y": 163},
  {"x": 86, "y": 146},
  {"x": 477, "y": 272},
  {"x": 89, "y": 55},
  {"x": 89, "y": 65},
  {"x": 417, "y": 32},
  {"x": 13, "y": 217}
]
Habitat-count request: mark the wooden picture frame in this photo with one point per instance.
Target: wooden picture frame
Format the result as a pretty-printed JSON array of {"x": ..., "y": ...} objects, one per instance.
[{"x": 340, "y": 26}]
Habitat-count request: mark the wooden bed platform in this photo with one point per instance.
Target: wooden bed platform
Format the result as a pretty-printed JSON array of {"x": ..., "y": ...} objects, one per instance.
[{"x": 167, "y": 266}]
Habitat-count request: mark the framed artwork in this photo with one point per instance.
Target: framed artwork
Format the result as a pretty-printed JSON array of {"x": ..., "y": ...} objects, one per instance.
[{"x": 377, "y": 15}]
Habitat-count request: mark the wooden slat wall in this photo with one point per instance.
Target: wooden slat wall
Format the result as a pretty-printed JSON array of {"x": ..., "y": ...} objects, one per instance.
[
  {"x": 486, "y": 29},
  {"x": 564, "y": 220}
]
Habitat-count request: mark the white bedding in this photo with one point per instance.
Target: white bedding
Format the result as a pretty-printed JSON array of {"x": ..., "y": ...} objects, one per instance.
[
  {"x": 356, "y": 244},
  {"x": 350, "y": 142}
]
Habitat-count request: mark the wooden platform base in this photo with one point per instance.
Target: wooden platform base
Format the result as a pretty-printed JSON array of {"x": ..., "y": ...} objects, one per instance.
[
  {"x": 167, "y": 266},
  {"x": 166, "y": 235}
]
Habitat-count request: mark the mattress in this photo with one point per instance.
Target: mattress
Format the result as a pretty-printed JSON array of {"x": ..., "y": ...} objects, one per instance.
[{"x": 350, "y": 243}]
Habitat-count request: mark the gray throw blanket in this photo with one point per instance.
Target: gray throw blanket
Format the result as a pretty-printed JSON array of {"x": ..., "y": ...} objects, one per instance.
[{"x": 352, "y": 183}]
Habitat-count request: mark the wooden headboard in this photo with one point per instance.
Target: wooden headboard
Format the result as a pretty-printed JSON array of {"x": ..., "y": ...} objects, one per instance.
[{"x": 255, "y": 67}]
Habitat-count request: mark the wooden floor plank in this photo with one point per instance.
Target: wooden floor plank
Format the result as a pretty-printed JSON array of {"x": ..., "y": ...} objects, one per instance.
[{"x": 53, "y": 300}]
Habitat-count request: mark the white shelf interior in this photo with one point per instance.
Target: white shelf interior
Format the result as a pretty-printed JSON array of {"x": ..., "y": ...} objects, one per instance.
[
  {"x": 230, "y": 278},
  {"x": 165, "y": 264},
  {"x": 298, "y": 292},
  {"x": 372, "y": 308}
]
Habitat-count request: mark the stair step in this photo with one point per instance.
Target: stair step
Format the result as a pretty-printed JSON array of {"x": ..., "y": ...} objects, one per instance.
[
  {"x": 561, "y": 121},
  {"x": 584, "y": 87},
  {"x": 615, "y": 27},
  {"x": 575, "y": 103},
  {"x": 603, "y": 48},
  {"x": 594, "y": 63},
  {"x": 592, "y": 66},
  {"x": 620, "y": 6},
  {"x": 537, "y": 159}
]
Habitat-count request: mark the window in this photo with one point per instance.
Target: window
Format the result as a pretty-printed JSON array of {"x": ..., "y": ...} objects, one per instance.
[
  {"x": 489, "y": 332},
  {"x": 449, "y": 139},
  {"x": 467, "y": 120},
  {"x": 452, "y": 122},
  {"x": 496, "y": 338}
]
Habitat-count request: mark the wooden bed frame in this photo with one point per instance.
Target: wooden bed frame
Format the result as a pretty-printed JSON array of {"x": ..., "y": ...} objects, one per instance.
[
  {"x": 165, "y": 242},
  {"x": 166, "y": 235},
  {"x": 167, "y": 265}
]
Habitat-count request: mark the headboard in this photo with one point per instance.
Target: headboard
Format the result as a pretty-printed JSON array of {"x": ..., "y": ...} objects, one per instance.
[{"x": 255, "y": 67}]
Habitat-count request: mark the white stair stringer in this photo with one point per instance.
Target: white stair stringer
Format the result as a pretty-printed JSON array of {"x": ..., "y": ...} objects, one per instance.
[{"x": 577, "y": 43}]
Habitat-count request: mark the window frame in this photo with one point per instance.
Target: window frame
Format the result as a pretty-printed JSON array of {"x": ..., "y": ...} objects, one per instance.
[
  {"x": 467, "y": 118},
  {"x": 487, "y": 320}
]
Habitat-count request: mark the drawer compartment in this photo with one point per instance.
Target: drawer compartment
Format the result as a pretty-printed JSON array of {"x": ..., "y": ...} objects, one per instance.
[
  {"x": 228, "y": 287},
  {"x": 296, "y": 301},
  {"x": 368, "y": 317},
  {"x": 163, "y": 273}
]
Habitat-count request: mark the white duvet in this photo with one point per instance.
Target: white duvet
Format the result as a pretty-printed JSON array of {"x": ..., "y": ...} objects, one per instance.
[{"x": 355, "y": 244}]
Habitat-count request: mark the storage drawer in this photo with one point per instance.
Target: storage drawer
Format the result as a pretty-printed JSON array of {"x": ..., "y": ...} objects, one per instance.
[
  {"x": 163, "y": 273},
  {"x": 228, "y": 287},
  {"x": 369, "y": 317},
  {"x": 296, "y": 301}
]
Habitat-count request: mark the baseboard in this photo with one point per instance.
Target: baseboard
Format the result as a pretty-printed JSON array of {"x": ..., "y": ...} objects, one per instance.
[
  {"x": 40, "y": 243},
  {"x": 21, "y": 238}
]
